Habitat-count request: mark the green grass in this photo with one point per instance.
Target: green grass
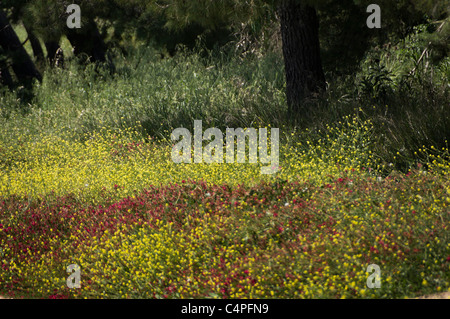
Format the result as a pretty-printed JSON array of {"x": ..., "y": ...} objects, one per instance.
[
  {"x": 160, "y": 94},
  {"x": 86, "y": 177},
  {"x": 157, "y": 95}
]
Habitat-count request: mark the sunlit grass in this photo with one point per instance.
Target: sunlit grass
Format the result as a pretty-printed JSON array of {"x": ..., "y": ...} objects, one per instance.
[
  {"x": 53, "y": 165},
  {"x": 141, "y": 226}
]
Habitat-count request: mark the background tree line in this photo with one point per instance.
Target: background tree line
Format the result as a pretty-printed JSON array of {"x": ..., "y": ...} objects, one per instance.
[{"x": 316, "y": 37}]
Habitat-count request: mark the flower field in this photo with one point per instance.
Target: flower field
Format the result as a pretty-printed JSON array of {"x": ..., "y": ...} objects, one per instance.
[{"x": 141, "y": 226}]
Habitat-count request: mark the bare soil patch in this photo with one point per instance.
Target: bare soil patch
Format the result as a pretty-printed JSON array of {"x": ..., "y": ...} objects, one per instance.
[{"x": 442, "y": 295}]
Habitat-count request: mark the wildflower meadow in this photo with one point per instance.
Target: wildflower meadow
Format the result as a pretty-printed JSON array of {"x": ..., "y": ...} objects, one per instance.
[
  {"x": 224, "y": 150},
  {"x": 140, "y": 226}
]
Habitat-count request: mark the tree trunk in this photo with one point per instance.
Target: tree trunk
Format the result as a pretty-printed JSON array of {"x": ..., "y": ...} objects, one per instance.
[
  {"x": 5, "y": 75},
  {"x": 301, "y": 51},
  {"x": 22, "y": 64},
  {"x": 55, "y": 54},
  {"x": 89, "y": 41},
  {"x": 35, "y": 45}
]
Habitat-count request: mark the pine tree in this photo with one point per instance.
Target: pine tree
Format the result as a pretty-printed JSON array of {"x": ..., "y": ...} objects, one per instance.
[{"x": 22, "y": 65}]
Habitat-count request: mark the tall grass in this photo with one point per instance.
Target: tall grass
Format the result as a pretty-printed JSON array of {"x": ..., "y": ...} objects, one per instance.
[
  {"x": 160, "y": 94},
  {"x": 155, "y": 95}
]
